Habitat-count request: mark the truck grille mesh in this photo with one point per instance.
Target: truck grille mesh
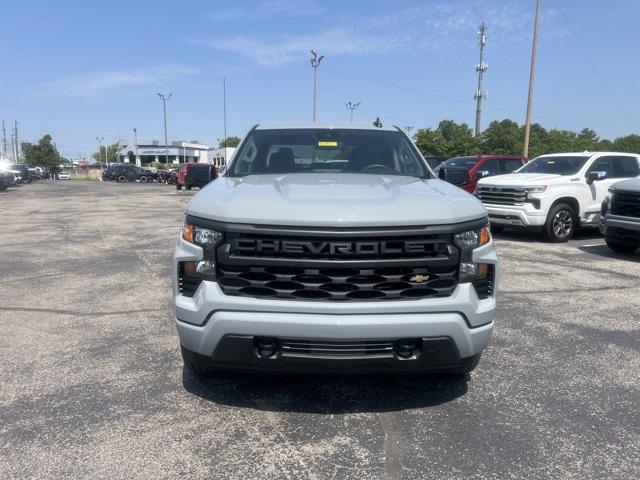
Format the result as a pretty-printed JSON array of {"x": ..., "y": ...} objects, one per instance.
[
  {"x": 325, "y": 348},
  {"x": 501, "y": 195},
  {"x": 337, "y": 284},
  {"x": 626, "y": 204}
]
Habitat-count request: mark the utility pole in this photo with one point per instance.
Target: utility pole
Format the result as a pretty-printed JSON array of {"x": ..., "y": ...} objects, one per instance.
[
  {"x": 4, "y": 141},
  {"x": 13, "y": 148},
  {"x": 164, "y": 99},
  {"x": 224, "y": 115},
  {"x": 99, "y": 139},
  {"x": 315, "y": 62},
  {"x": 352, "y": 106},
  {"x": 480, "y": 68},
  {"x": 135, "y": 139},
  {"x": 532, "y": 78}
]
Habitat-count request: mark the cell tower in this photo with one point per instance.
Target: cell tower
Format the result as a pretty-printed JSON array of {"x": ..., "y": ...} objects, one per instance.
[{"x": 480, "y": 68}]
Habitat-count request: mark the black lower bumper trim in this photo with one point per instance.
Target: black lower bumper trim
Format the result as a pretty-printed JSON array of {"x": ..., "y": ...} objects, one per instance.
[{"x": 242, "y": 353}]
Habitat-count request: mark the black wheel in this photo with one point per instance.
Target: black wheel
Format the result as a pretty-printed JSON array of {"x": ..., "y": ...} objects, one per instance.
[
  {"x": 561, "y": 223},
  {"x": 496, "y": 229},
  {"x": 122, "y": 179},
  {"x": 194, "y": 364},
  {"x": 143, "y": 179},
  {"x": 178, "y": 186},
  {"x": 187, "y": 187},
  {"x": 622, "y": 247}
]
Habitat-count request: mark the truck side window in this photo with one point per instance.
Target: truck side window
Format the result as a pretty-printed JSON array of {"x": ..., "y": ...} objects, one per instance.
[
  {"x": 509, "y": 166},
  {"x": 602, "y": 164},
  {"x": 491, "y": 166},
  {"x": 624, "y": 167}
]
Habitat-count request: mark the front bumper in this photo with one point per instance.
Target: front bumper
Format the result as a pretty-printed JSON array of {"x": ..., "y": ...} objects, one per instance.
[
  {"x": 517, "y": 216},
  {"x": 210, "y": 316},
  {"x": 620, "y": 228}
]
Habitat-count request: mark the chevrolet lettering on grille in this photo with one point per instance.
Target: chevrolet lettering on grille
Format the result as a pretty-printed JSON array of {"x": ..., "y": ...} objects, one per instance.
[{"x": 320, "y": 248}]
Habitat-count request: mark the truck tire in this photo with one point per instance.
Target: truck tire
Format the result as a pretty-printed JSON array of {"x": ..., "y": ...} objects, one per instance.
[
  {"x": 622, "y": 247},
  {"x": 143, "y": 179},
  {"x": 195, "y": 365},
  {"x": 122, "y": 179},
  {"x": 561, "y": 223},
  {"x": 187, "y": 187},
  {"x": 178, "y": 186},
  {"x": 496, "y": 229}
]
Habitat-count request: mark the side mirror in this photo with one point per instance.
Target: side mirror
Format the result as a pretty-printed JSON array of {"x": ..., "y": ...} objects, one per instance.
[
  {"x": 596, "y": 175},
  {"x": 482, "y": 173},
  {"x": 442, "y": 173}
]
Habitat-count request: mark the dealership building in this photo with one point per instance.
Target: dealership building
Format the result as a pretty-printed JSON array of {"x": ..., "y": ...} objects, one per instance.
[{"x": 146, "y": 152}]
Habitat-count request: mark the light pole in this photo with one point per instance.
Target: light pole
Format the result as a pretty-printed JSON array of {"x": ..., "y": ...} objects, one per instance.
[
  {"x": 409, "y": 129},
  {"x": 100, "y": 139},
  {"x": 135, "y": 139},
  {"x": 352, "y": 106},
  {"x": 532, "y": 78},
  {"x": 165, "y": 99},
  {"x": 315, "y": 62}
]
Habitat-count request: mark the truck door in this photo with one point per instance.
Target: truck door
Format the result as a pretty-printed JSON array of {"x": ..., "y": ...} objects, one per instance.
[{"x": 598, "y": 189}]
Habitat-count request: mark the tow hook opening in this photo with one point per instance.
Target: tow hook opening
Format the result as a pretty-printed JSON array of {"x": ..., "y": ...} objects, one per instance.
[
  {"x": 266, "y": 347},
  {"x": 408, "y": 348}
]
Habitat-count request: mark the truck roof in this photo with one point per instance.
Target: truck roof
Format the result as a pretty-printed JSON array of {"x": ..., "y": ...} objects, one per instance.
[
  {"x": 323, "y": 126},
  {"x": 584, "y": 154}
]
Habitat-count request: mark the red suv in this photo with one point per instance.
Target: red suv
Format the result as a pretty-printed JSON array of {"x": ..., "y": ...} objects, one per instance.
[
  {"x": 195, "y": 175},
  {"x": 464, "y": 172}
]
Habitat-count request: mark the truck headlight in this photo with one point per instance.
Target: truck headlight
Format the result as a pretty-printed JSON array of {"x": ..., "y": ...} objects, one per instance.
[
  {"x": 536, "y": 189},
  {"x": 472, "y": 239},
  {"x": 467, "y": 242},
  {"x": 203, "y": 237}
]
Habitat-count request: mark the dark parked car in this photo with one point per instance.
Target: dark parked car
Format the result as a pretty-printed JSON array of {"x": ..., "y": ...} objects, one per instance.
[
  {"x": 23, "y": 175},
  {"x": 195, "y": 175},
  {"x": 123, "y": 172},
  {"x": 464, "y": 172},
  {"x": 6, "y": 179}
]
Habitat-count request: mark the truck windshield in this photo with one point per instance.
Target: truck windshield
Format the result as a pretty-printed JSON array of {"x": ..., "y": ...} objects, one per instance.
[
  {"x": 327, "y": 151},
  {"x": 554, "y": 165}
]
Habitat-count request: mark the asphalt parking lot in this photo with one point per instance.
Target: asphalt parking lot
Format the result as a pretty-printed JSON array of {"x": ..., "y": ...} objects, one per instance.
[{"x": 92, "y": 384}]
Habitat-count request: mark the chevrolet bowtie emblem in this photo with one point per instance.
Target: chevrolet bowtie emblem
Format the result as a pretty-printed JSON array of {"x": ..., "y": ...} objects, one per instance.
[{"x": 419, "y": 278}]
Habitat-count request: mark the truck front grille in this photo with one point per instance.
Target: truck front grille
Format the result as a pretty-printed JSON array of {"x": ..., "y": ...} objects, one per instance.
[
  {"x": 341, "y": 268},
  {"x": 326, "y": 348},
  {"x": 501, "y": 195},
  {"x": 300, "y": 283},
  {"x": 626, "y": 204}
]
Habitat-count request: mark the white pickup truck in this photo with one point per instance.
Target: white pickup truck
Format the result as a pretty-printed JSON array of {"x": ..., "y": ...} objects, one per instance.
[{"x": 556, "y": 193}]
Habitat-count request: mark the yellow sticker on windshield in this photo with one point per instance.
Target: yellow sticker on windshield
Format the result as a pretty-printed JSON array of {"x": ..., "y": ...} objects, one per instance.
[{"x": 325, "y": 143}]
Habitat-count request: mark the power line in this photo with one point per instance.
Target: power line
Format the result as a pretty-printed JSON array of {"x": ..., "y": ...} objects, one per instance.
[{"x": 595, "y": 68}]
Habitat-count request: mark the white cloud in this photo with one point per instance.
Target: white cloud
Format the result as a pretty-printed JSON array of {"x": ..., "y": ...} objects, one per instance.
[
  {"x": 96, "y": 82},
  {"x": 267, "y": 9},
  {"x": 437, "y": 26}
]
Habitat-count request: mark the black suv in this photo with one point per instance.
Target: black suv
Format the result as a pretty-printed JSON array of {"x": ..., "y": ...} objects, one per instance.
[{"x": 128, "y": 173}]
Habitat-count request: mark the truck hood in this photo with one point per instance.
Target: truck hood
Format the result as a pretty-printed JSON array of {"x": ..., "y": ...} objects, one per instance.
[
  {"x": 524, "y": 179},
  {"x": 334, "y": 200}
]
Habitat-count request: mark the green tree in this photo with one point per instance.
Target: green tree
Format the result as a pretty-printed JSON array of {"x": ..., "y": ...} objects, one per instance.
[
  {"x": 450, "y": 139},
  {"x": 630, "y": 143},
  {"x": 503, "y": 137},
  {"x": 229, "y": 142},
  {"x": 42, "y": 153},
  {"x": 112, "y": 153}
]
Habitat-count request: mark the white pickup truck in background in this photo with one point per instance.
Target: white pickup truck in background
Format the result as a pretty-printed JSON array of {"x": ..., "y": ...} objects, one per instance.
[{"x": 556, "y": 193}]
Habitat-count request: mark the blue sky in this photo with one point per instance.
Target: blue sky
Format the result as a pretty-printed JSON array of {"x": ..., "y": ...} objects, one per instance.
[{"x": 78, "y": 69}]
